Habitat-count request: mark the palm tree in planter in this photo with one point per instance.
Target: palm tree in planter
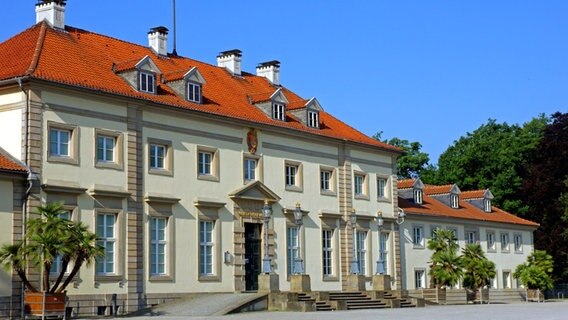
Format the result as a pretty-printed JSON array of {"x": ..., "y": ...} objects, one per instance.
[
  {"x": 445, "y": 264},
  {"x": 477, "y": 268},
  {"x": 50, "y": 239}
]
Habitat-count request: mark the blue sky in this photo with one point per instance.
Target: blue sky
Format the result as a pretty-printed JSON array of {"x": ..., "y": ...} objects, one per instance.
[{"x": 427, "y": 71}]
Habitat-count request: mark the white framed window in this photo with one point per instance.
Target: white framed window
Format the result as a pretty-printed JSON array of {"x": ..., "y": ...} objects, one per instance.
[
  {"x": 418, "y": 195},
  {"x": 490, "y": 241},
  {"x": 313, "y": 119},
  {"x": 250, "y": 169},
  {"x": 506, "y": 279},
  {"x": 505, "y": 242},
  {"x": 518, "y": 238},
  {"x": 361, "y": 247},
  {"x": 206, "y": 245},
  {"x": 418, "y": 236},
  {"x": 327, "y": 252},
  {"x": 487, "y": 205},
  {"x": 419, "y": 279},
  {"x": 433, "y": 230},
  {"x": 59, "y": 142},
  {"x": 454, "y": 201},
  {"x": 147, "y": 82},
  {"x": 107, "y": 238},
  {"x": 158, "y": 156},
  {"x": 278, "y": 111},
  {"x": 106, "y": 148},
  {"x": 360, "y": 185},
  {"x": 158, "y": 245},
  {"x": 471, "y": 237},
  {"x": 57, "y": 264},
  {"x": 205, "y": 163},
  {"x": 382, "y": 188},
  {"x": 383, "y": 249},
  {"x": 293, "y": 176},
  {"x": 194, "y": 92},
  {"x": 291, "y": 248},
  {"x": 454, "y": 231}
]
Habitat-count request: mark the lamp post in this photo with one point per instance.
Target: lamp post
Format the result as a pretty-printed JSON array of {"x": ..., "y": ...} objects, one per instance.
[
  {"x": 267, "y": 214},
  {"x": 380, "y": 262},
  {"x": 298, "y": 262},
  {"x": 354, "y": 262}
]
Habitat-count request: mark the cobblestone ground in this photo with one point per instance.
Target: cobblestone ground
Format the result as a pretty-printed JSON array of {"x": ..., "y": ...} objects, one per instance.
[{"x": 537, "y": 311}]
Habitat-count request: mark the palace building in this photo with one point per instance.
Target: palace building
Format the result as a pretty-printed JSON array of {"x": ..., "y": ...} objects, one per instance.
[{"x": 200, "y": 177}]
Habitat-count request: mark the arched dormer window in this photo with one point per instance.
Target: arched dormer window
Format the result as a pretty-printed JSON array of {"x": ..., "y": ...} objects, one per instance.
[
  {"x": 487, "y": 205},
  {"x": 418, "y": 195},
  {"x": 454, "y": 201}
]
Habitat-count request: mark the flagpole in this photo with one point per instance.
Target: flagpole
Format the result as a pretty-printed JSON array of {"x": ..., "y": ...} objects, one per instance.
[{"x": 174, "y": 52}]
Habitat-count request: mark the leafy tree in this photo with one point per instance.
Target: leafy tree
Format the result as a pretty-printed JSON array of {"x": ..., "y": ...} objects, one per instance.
[
  {"x": 48, "y": 237},
  {"x": 493, "y": 156},
  {"x": 445, "y": 267},
  {"x": 536, "y": 272},
  {"x": 413, "y": 162},
  {"x": 546, "y": 193},
  {"x": 478, "y": 270}
]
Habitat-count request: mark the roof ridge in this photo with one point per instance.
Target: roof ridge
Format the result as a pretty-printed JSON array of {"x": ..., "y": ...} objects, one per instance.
[
  {"x": 10, "y": 157},
  {"x": 37, "y": 51}
]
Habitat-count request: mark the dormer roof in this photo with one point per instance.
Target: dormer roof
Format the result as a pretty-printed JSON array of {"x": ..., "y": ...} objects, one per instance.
[{"x": 10, "y": 164}]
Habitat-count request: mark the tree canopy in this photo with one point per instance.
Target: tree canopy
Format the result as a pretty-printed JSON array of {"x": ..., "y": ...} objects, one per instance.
[
  {"x": 535, "y": 273},
  {"x": 413, "y": 162}
]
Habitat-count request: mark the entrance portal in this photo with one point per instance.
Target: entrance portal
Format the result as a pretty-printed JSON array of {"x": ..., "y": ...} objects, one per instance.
[{"x": 252, "y": 255}]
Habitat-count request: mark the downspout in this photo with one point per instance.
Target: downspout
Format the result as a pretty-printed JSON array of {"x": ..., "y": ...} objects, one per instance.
[{"x": 30, "y": 179}]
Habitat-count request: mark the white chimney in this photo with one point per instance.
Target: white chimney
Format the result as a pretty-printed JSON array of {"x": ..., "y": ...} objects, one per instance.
[
  {"x": 270, "y": 70},
  {"x": 158, "y": 40},
  {"x": 53, "y": 11},
  {"x": 231, "y": 60}
]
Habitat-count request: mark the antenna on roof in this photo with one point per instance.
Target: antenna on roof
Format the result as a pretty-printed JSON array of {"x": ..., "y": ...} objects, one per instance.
[{"x": 174, "y": 52}]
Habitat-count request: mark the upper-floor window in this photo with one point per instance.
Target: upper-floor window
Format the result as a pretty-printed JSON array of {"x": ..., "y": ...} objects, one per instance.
[
  {"x": 454, "y": 201},
  {"x": 147, "y": 82},
  {"x": 158, "y": 156},
  {"x": 325, "y": 180},
  {"x": 106, "y": 148},
  {"x": 418, "y": 196},
  {"x": 381, "y": 188},
  {"x": 313, "y": 119},
  {"x": 418, "y": 236},
  {"x": 490, "y": 241},
  {"x": 194, "y": 92},
  {"x": 250, "y": 166},
  {"x": 205, "y": 162},
  {"x": 359, "y": 185},
  {"x": 291, "y": 175},
  {"x": 471, "y": 237},
  {"x": 518, "y": 242},
  {"x": 59, "y": 142},
  {"x": 278, "y": 111},
  {"x": 504, "y": 242}
]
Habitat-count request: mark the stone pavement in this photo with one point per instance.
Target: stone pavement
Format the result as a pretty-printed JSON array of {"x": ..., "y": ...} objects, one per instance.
[{"x": 520, "y": 311}]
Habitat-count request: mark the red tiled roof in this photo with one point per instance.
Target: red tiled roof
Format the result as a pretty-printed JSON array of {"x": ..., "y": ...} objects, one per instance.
[
  {"x": 84, "y": 59},
  {"x": 405, "y": 183},
  {"x": 7, "y": 164},
  {"x": 433, "y": 207},
  {"x": 431, "y": 189},
  {"x": 475, "y": 194}
]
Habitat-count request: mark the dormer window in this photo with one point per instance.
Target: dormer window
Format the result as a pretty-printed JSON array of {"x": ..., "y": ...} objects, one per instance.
[
  {"x": 313, "y": 119},
  {"x": 418, "y": 196},
  {"x": 147, "y": 82},
  {"x": 487, "y": 205},
  {"x": 193, "y": 92},
  {"x": 454, "y": 201},
  {"x": 278, "y": 111}
]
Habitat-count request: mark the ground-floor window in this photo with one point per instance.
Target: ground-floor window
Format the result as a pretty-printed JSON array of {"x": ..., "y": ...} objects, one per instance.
[
  {"x": 206, "y": 247},
  {"x": 327, "y": 252},
  {"x": 291, "y": 248}
]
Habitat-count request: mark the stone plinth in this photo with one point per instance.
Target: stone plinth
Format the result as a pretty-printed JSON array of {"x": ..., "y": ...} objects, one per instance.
[
  {"x": 381, "y": 282},
  {"x": 300, "y": 283},
  {"x": 268, "y": 282},
  {"x": 355, "y": 282}
]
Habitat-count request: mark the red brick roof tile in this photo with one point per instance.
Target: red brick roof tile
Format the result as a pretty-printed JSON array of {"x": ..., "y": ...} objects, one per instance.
[
  {"x": 8, "y": 164},
  {"x": 85, "y": 59}
]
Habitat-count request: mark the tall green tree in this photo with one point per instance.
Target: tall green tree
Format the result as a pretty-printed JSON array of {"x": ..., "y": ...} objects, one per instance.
[
  {"x": 546, "y": 193},
  {"x": 445, "y": 265},
  {"x": 413, "y": 162},
  {"x": 494, "y": 156},
  {"x": 536, "y": 272},
  {"x": 478, "y": 270}
]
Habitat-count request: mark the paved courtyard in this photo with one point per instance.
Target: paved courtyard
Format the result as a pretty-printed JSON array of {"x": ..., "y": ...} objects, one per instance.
[{"x": 544, "y": 311}]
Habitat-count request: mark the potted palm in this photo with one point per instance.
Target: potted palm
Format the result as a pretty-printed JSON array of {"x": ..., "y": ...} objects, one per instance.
[{"x": 50, "y": 239}]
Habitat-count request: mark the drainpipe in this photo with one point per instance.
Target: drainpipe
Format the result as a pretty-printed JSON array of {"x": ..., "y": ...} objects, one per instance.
[{"x": 30, "y": 179}]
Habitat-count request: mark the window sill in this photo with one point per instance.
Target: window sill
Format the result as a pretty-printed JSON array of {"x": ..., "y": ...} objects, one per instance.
[
  {"x": 362, "y": 197},
  {"x": 63, "y": 159},
  {"x": 207, "y": 177},
  {"x": 417, "y": 246},
  {"x": 108, "y": 278},
  {"x": 505, "y": 251},
  {"x": 491, "y": 250},
  {"x": 210, "y": 278},
  {"x": 294, "y": 189},
  {"x": 161, "y": 278},
  {"x": 330, "y": 279},
  {"x": 108, "y": 165},
  {"x": 519, "y": 252},
  {"x": 383, "y": 199},
  {"x": 161, "y": 172},
  {"x": 328, "y": 193}
]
